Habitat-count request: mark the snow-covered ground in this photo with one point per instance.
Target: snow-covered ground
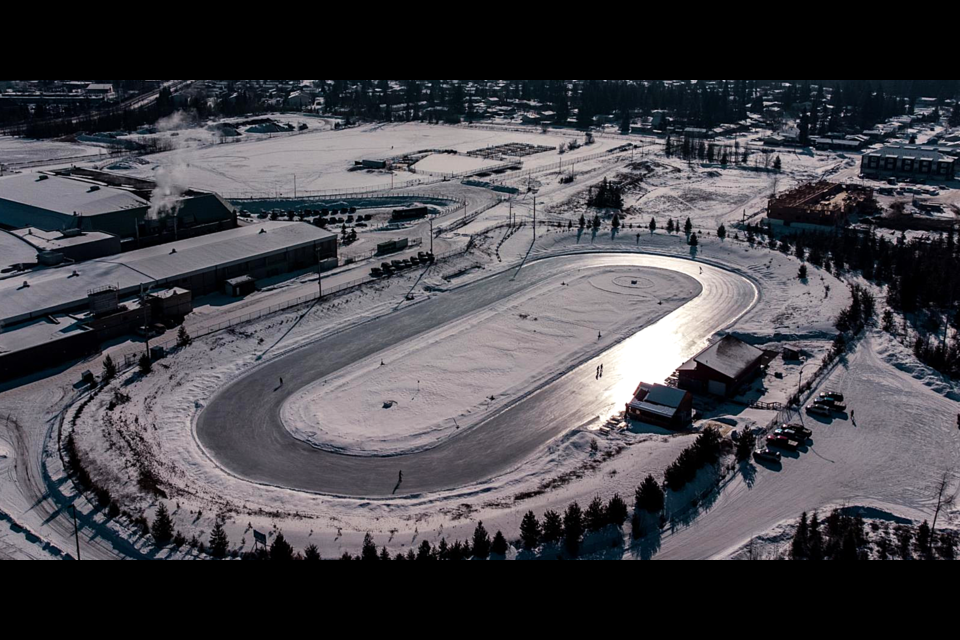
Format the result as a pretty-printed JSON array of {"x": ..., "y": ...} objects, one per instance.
[
  {"x": 453, "y": 378},
  {"x": 904, "y": 433}
]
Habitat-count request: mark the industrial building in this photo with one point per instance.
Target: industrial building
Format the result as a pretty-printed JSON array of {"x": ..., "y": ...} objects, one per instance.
[
  {"x": 908, "y": 162},
  {"x": 820, "y": 204},
  {"x": 49, "y": 314},
  {"x": 96, "y": 201},
  {"x": 720, "y": 369},
  {"x": 661, "y": 405}
]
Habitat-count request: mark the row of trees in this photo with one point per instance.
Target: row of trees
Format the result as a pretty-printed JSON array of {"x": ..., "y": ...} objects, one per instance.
[{"x": 845, "y": 537}]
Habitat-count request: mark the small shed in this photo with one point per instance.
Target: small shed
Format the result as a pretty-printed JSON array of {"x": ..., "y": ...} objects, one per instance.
[{"x": 238, "y": 287}]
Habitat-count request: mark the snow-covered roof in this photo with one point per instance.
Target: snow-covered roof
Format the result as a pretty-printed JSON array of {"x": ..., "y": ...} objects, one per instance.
[
  {"x": 66, "y": 287},
  {"x": 728, "y": 356},
  {"x": 13, "y": 250},
  {"x": 660, "y": 410},
  {"x": 66, "y": 195},
  {"x": 664, "y": 395}
]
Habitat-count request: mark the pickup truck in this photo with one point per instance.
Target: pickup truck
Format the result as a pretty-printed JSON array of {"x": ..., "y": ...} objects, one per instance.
[
  {"x": 799, "y": 432},
  {"x": 819, "y": 410}
]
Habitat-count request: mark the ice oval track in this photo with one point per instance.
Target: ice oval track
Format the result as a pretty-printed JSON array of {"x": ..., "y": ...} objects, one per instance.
[{"x": 241, "y": 430}]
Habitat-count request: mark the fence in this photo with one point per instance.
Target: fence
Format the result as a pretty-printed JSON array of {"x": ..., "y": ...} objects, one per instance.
[{"x": 129, "y": 357}]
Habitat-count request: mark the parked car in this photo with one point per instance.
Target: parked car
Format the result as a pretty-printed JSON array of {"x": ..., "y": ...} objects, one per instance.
[
  {"x": 396, "y": 264},
  {"x": 800, "y": 432},
  {"x": 376, "y": 272},
  {"x": 782, "y": 441},
  {"x": 414, "y": 260},
  {"x": 819, "y": 410},
  {"x": 767, "y": 454},
  {"x": 832, "y": 395}
]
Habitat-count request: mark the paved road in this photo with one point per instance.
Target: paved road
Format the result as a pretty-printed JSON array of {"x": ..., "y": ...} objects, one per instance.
[{"x": 242, "y": 431}]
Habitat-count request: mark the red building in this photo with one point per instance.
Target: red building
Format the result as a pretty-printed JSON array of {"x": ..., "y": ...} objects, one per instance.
[{"x": 720, "y": 369}]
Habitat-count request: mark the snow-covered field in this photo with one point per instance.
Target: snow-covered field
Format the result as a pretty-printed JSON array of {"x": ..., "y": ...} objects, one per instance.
[
  {"x": 324, "y": 160},
  {"x": 445, "y": 382},
  {"x": 20, "y": 150},
  {"x": 904, "y": 434}
]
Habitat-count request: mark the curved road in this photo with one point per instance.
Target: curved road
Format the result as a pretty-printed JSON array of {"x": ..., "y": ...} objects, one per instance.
[{"x": 241, "y": 430}]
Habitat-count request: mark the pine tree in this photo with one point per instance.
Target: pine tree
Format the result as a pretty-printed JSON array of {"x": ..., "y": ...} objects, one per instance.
[
  {"x": 583, "y": 221},
  {"x": 218, "y": 540},
  {"x": 777, "y": 165},
  {"x": 670, "y": 227},
  {"x": 573, "y": 528},
  {"x": 481, "y": 542},
  {"x": 745, "y": 445},
  {"x": 369, "y": 549},
  {"x": 499, "y": 546},
  {"x": 443, "y": 551},
  {"x": 425, "y": 552},
  {"x": 183, "y": 338},
  {"x": 530, "y": 531},
  {"x": 687, "y": 226},
  {"x": 802, "y": 272},
  {"x": 281, "y": 549},
  {"x": 721, "y": 232},
  {"x": 649, "y": 496},
  {"x": 653, "y": 224},
  {"x": 146, "y": 365},
  {"x": 162, "y": 528},
  {"x": 799, "y": 548},
  {"x": 552, "y": 527},
  {"x": 595, "y": 517},
  {"x": 312, "y": 554},
  {"x": 616, "y": 511},
  {"x": 693, "y": 240},
  {"x": 109, "y": 369},
  {"x": 815, "y": 538},
  {"x": 616, "y": 221}
]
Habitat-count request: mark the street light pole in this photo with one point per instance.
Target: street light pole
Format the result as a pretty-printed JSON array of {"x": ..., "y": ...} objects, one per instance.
[
  {"x": 319, "y": 277},
  {"x": 76, "y": 530}
]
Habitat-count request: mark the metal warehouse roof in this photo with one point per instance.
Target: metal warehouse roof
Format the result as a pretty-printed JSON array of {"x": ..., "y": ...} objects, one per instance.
[
  {"x": 728, "y": 356},
  {"x": 66, "y": 287},
  {"x": 66, "y": 195},
  {"x": 14, "y": 250}
]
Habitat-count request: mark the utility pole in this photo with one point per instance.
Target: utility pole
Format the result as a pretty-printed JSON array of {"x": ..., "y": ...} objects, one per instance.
[
  {"x": 510, "y": 215},
  {"x": 294, "y": 185},
  {"x": 534, "y": 215},
  {"x": 319, "y": 277},
  {"x": 76, "y": 530},
  {"x": 431, "y": 235}
]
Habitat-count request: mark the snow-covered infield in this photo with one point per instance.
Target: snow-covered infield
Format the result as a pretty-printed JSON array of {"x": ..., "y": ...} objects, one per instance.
[
  {"x": 446, "y": 381},
  {"x": 905, "y": 412}
]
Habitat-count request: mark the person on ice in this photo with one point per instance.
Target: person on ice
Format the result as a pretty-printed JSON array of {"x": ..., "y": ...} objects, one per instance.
[{"x": 598, "y": 335}]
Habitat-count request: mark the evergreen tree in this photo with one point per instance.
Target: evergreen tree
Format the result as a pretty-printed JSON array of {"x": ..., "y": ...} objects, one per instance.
[
  {"x": 649, "y": 496},
  {"x": 369, "y": 550},
  {"x": 109, "y": 369},
  {"x": 815, "y": 539},
  {"x": 481, "y": 542},
  {"x": 721, "y": 232},
  {"x": 499, "y": 546},
  {"x": 425, "y": 552},
  {"x": 595, "y": 517},
  {"x": 312, "y": 554},
  {"x": 162, "y": 528},
  {"x": 670, "y": 227},
  {"x": 616, "y": 221},
  {"x": 530, "y": 531},
  {"x": 183, "y": 338},
  {"x": 218, "y": 540},
  {"x": 802, "y": 272},
  {"x": 800, "y": 544},
  {"x": 552, "y": 527},
  {"x": 693, "y": 240},
  {"x": 616, "y": 511},
  {"x": 746, "y": 445},
  {"x": 777, "y": 165},
  {"x": 687, "y": 226},
  {"x": 573, "y": 528},
  {"x": 653, "y": 224},
  {"x": 583, "y": 221},
  {"x": 281, "y": 549},
  {"x": 146, "y": 365}
]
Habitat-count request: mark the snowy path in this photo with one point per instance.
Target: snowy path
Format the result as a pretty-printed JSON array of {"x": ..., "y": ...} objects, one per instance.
[
  {"x": 241, "y": 430},
  {"x": 879, "y": 460}
]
